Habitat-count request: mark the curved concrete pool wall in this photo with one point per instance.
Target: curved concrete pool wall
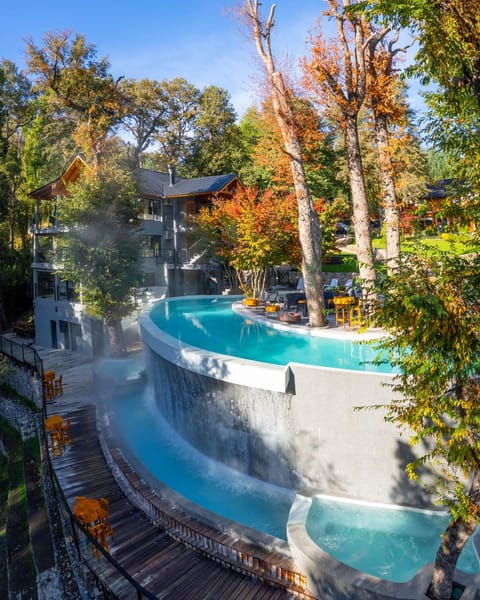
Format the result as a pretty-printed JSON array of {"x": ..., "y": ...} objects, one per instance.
[
  {"x": 293, "y": 426},
  {"x": 330, "y": 579}
]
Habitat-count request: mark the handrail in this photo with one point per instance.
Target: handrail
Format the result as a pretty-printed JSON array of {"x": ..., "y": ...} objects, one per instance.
[
  {"x": 29, "y": 357},
  {"x": 22, "y": 353},
  {"x": 140, "y": 590}
]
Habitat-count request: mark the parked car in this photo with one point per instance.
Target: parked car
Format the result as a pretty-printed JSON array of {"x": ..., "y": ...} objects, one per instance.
[{"x": 341, "y": 228}]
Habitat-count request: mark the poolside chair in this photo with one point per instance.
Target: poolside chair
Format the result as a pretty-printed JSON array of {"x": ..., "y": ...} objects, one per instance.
[
  {"x": 58, "y": 386},
  {"x": 355, "y": 316},
  {"x": 269, "y": 296},
  {"x": 66, "y": 432},
  {"x": 291, "y": 300},
  {"x": 333, "y": 284}
]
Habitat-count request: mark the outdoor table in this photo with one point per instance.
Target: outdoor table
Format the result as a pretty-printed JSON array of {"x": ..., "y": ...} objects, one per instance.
[
  {"x": 93, "y": 514},
  {"x": 53, "y": 422}
]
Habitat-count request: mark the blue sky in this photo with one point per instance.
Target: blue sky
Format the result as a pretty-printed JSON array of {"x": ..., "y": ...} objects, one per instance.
[{"x": 163, "y": 39}]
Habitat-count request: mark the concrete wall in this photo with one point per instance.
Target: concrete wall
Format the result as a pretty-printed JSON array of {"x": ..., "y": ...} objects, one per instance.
[
  {"x": 47, "y": 310},
  {"x": 308, "y": 438}
]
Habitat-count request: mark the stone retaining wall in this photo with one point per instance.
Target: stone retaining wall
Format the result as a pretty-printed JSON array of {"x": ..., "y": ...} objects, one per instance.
[{"x": 18, "y": 415}]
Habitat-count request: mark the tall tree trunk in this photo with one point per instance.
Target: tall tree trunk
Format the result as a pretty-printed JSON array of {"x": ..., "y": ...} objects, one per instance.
[
  {"x": 361, "y": 212},
  {"x": 117, "y": 338},
  {"x": 390, "y": 206},
  {"x": 454, "y": 539},
  {"x": 308, "y": 223}
]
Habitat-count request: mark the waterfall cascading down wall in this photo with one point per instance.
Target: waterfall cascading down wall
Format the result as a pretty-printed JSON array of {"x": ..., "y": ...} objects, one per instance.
[{"x": 309, "y": 439}]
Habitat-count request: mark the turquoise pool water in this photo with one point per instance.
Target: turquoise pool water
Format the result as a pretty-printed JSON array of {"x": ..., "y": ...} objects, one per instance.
[
  {"x": 211, "y": 324},
  {"x": 204, "y": 481},
  {"x": 387, "y": 542}
]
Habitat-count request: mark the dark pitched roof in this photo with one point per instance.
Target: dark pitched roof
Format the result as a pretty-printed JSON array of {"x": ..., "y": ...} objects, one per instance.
[
  {"x": 150, "y": 183},
  {"x": 153, "y": 183},
  {"x": 441, "y": 188}
]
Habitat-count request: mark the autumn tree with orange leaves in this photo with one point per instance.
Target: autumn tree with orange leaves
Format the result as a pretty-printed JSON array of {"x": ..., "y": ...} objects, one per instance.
[
  {"x": 270, "y": 164},
  {"x": 251, "y": 233},
  {"x": 337, "y": 73}
]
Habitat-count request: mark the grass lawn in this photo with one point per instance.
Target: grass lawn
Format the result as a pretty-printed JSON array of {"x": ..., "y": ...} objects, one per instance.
[
  {"x": 342, "y": 263},
  {"x": 456, "y": 244}
]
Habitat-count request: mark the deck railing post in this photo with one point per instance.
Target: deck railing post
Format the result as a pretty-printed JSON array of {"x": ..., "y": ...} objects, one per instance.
[{"x": 75, "y": 535}]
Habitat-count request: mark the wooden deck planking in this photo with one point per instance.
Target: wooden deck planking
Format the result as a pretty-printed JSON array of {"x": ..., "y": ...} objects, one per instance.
[{"x": 165, "y": 567}]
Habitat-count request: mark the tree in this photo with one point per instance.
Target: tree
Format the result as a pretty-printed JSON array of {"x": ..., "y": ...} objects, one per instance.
[
  {"x": 269, "y": 165},
  {"x": 100, "y": 250},
  {"x": 449, "y": 57},
  {"x": 216, "y": 146},
  {"x": 144, "y": 113},
  {"x": 239, "y": 231},
  {"x": 308, "y": 224},
  {"x": 384, "y": 94},
  {"x": 337, "y": 71},
  {"x": 16, "y": 111},
  {"x": 430, "y": 307},
  {"x": 84, "y": 92},
  {"x": 175, "y": 136}
]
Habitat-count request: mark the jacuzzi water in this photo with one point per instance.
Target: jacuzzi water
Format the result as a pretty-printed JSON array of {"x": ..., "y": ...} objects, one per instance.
[
  {"x": 391, "y": 543},
  {"x": 210, "y": 323}
]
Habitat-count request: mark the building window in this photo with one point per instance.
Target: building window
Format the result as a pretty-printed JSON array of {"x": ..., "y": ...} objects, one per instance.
[
  {"x": 45, "y": 285},
  {"x": 66, "y": 291}
]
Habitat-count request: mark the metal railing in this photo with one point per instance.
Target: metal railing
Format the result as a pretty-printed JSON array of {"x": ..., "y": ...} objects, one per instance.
[
  {"x": 23, "y": 354},
  {"x": 88, "y": 548},
  {"x": 90, "y": 551}
]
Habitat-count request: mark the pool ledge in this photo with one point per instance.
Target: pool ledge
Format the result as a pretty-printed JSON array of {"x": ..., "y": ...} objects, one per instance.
[
  {"x": 230, "y": 369},
  {"x": 329, "y": 578},
  {"x": 339, "y": 333}
]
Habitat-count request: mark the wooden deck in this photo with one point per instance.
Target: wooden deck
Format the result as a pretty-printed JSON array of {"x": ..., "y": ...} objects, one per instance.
[{"x": 168, "y": 569}]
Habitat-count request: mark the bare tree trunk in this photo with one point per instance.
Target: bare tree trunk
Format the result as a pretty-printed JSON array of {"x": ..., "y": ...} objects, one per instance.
[
  {"x": 308, "y": 223},
  {"x": 392, "y": 219},
  {"x": 361, "y": 213},
  {"x": 454, "y": 539}
]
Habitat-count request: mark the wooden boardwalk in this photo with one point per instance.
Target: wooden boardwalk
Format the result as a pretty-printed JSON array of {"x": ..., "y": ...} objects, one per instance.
[{"x": 168, "y": 569}]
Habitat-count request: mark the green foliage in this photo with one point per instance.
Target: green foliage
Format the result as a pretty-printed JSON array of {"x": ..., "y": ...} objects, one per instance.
[
  {"x": 181, "y": 111},
  {"x": 216, "y": 147},
  {"x": 79, "y": 88},
  {"x": 22, "y": 576},
  {"x": 431, "y": 307},
  {"x": 347, "y": 264},
  {"x": 100, "y": 250},
  {"x": 448, "y": 50}
]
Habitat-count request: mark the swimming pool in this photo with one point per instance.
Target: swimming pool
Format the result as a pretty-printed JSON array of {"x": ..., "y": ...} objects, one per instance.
[
  {"x": 391, "y": 543},
  {"x": 204, "y": 481},
  {"x": 210, "y": 323}
]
